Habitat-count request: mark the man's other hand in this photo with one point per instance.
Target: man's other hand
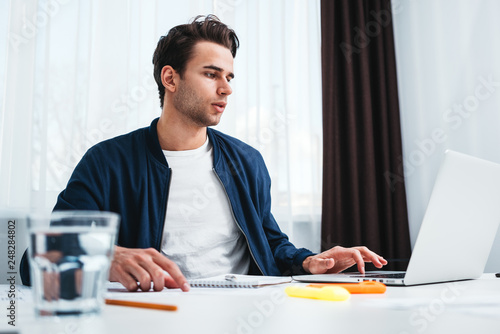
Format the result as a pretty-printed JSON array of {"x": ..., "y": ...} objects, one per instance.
[{"x": 133, "y": 265}]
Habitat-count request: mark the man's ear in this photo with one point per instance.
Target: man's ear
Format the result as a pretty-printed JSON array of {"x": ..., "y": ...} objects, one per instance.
[{"x": 169, "y": 78}]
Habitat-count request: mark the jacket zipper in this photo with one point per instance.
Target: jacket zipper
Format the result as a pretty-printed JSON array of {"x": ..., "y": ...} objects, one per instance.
[{"x": 237, "y": 223}]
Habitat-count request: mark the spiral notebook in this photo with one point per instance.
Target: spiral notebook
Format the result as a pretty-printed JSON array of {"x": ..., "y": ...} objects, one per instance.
[{"x": 238, "y": 281}]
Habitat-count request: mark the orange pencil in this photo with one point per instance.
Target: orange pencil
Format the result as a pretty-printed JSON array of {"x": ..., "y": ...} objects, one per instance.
[{"x": 163, "y": 307}]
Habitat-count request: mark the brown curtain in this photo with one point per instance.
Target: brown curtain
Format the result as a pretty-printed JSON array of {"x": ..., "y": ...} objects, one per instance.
[{"x": 364, "y": 201}]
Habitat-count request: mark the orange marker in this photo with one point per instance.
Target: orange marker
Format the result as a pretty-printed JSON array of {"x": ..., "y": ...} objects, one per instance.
[{"x": 362, "y": 287}]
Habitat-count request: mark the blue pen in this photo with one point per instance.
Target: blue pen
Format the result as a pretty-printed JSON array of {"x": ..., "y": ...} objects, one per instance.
[{"x": 231, "y": 278}]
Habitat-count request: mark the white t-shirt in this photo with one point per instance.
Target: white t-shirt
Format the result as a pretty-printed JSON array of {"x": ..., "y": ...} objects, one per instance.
[{"x": 200, "y": 233}]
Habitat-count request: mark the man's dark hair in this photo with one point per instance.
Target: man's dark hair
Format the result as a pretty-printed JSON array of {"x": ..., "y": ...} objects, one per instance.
[{"x": 176, "y": 48}]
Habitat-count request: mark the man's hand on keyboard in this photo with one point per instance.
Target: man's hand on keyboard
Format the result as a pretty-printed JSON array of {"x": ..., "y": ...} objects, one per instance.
[{"x": 338, "y": 259}]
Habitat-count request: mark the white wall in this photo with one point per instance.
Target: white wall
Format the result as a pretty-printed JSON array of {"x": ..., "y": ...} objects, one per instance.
[{"x": 447, "y": 55}]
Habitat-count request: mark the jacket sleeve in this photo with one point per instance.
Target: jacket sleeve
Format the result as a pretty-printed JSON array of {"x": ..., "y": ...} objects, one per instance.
[
  {"x": 85, "y": 189},
  {"x": 83, "y": 192},
  {"x": 288, "y": 258}
]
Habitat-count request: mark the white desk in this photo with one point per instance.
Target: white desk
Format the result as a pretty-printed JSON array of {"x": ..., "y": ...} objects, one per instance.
[{"x": 460, "y": 307}]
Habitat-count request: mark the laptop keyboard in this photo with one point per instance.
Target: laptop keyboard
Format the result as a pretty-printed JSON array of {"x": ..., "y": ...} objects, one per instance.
[{"x": 397, "y": 275}]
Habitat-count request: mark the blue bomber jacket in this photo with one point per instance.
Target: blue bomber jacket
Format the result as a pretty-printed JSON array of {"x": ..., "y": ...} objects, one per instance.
[{"x": 129, "y": 175}]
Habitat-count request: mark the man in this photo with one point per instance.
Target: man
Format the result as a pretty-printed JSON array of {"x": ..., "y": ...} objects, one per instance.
[{"x": 194, "y": 202}]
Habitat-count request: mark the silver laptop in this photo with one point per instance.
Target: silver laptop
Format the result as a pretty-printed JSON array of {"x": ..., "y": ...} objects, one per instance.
[{"x": 457, "y": 231}]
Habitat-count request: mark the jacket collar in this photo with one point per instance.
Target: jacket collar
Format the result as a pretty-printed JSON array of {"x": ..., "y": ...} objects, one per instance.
[
  {"x": 154, "y": 144},
  {"x": 154, "y": 147},
  {"x": 214, "y": 140}
]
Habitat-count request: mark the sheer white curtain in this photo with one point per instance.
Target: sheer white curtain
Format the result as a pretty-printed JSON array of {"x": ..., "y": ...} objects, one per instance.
[
  {"x": 449, "y": 85},
  {"x": 76, "y": 72}
]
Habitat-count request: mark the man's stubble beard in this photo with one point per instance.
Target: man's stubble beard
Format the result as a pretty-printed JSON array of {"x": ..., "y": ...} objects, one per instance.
[{"x": 193, "y": 107}]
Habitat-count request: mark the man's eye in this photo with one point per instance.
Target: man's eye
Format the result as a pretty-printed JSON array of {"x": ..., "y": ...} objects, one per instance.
[{"x": 210, "y": 75}]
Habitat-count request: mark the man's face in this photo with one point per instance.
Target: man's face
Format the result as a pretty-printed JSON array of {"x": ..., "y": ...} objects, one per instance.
[{"x": 202, "y": 92}]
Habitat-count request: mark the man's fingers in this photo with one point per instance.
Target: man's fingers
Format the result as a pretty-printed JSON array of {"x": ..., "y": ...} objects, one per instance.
[
  {"x": 158, "y": 278},
  {"x": 320, "y": 266},
  {"x": 369, "y": 256},
  {"x": 328, "y": 264},
  {"x": 51, "y": 286},
  {"x": 356, "y": 256},
  {"x": 119, "y": 275},
  {"x": 378, "y": 261},
  {"x": 152, "y": 271},
  {"x": 143, "y": 276},
  {"x": 130, "y": 266},
  {"x": 338, "y": 258},
  {"x": 173, "y": 270},
  {"x": 145, "y": 266},
  {"x": 169, "y": 282},
  {"x": 136, "y": 274}
]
